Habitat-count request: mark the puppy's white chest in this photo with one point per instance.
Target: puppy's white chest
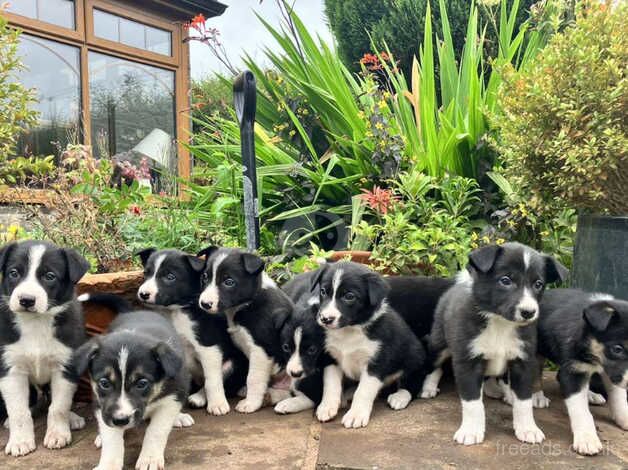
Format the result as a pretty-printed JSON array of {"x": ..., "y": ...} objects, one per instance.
[
  {"x": 242, "y": 339},
  {"x": 352, "y": 349},
  {"x": 37, "y": 352},
  {"x": 498, "y": 344},
  {"x": 184, "y": 327}
]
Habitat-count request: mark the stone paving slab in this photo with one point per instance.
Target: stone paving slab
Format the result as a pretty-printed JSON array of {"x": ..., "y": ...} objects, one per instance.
[{"x": 418, "y": 437}]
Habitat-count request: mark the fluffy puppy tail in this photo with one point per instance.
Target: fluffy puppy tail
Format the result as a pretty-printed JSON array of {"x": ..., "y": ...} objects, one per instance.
[{"x": 111, "y": 301}]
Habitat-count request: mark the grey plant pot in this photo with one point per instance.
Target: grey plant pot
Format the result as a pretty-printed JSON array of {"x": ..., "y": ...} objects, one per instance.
[{"x": 601, "y": 255}]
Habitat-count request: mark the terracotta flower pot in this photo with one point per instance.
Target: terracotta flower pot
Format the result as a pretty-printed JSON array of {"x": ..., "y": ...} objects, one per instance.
[{"x": 362, "y": 257}]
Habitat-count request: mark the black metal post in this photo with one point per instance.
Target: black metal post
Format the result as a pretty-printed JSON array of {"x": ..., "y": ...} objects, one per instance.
[{"x": 244, "y": 97}]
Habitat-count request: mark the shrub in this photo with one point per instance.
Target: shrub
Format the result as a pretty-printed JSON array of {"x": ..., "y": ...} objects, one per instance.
[{"x": 563, "y": 130}]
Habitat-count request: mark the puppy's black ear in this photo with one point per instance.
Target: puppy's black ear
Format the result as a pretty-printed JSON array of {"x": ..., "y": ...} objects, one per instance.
[
  {"x": 145, "y": 254},
  {"x": 599, "y": 315},
  {"x": 554, "y": 271},
  {"x": 83, "y": 356},
  {"x": 5, "y": 251},
  {"x": 253, "y": 264},
  {"x": 378, "y": 288},
  {"x": 316, "y": 280},
  {"x": 483, "y": 259},
  {"x": 196, "y": 263},
  {"x": 77, "y": 264},
  {"x": 170, "y": 361},
  {"x": 207, "y": 251}
]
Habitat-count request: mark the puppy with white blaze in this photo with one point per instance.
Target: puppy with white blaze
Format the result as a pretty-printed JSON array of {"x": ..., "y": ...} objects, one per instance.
[
  {"x": 41, "y": 324},
  {"x": 137, "y": 374},
  {"x": 234, "y": 284},
  {"x": 584, "y": 334},
  {"x": 368, "y": 341},
  {"x": 172, "y": 285},
  {"x": 487, "y": 324}
]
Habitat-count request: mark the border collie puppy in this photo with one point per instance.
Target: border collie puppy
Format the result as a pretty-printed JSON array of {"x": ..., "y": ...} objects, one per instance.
[
  {"x": 234, "y": 284},
  {"x": 136, "y": 371},
  {"x": 584, "y": 334},
  {"x": 173, "y": 281},
  {"x": 41, "y": 324},
  {"x": 367, "y": 339},
  {"x": 486, "y": 323}
]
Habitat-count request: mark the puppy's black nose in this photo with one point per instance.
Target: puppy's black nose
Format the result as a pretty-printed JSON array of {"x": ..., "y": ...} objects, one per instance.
[
  {"x": 144, "y": 295},
  {"x": 327, "y": 320},
  {"x": 296, "y": 374},
  {"x": 121, "y": 421},
  {"x": 527, "y": 314},
  {"x": 27, "y": 301},
  {"x": 206, "y": 305}
]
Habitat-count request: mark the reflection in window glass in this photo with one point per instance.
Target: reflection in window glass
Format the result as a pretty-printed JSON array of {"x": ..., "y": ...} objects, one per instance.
[
  {"x": 131, "y": 33},
  {"x": 132, "y": 108},
  {"x": 59, "y": 12},
  {"x": 53, "y": 69}
]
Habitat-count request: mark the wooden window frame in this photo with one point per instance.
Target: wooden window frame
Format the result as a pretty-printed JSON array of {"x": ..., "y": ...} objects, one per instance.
[{"x": 83, "y": 38}]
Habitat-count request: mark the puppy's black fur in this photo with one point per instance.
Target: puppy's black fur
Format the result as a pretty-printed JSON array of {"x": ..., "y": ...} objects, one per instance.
[
  {"x": 234, "y": 284},
  {"x": 586, "y": 334},
  {"x": 487, "y": 324}
]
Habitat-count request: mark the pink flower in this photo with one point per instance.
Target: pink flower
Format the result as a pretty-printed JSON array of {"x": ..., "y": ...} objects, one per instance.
[{"x": 378, "y": 199}]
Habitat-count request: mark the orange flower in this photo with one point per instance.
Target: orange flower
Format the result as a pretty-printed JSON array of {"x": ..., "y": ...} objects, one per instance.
[
  {"x": 198, "y": 20},
  {"x": 378, "y": 199}
]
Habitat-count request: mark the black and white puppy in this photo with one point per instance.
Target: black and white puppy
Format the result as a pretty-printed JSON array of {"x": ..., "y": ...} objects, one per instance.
[
  {"x": 368, "y": 341},
  {"x": 136, "y": 371},
  {"x": 486, "y": 323},
  {"x": 584, "y": 334},
  {"x": 41, "y": 324},
  {"x": 173, "y": 281},
  {"x": 234, "y": 284}
]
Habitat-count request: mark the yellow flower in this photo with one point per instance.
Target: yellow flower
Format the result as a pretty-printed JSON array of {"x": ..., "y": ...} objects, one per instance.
[
  {"x": 474, "y": 236},
  {"x": 500, "y": 241},
  {"x": 544, "y": 233},
  {"x": 383, "y": 104},
  {"x": 13, "y": 229},
  {"x": 292, "y": 133},
  {"x": 379, "y": 126}
]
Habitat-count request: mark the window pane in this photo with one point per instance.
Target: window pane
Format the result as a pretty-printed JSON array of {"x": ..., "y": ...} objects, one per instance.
[
  {"x": 106, "y": 26},
  {"x": 132, "y": 33},
  {"x": 53, "y": 69},
  {"x": 59, "y": 12},
  {"x": 132, "y": 110}
]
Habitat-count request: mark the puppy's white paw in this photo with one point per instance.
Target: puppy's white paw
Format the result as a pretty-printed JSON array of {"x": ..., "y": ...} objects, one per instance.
[
  {"x": 76, "y": 422},
  {"x": 531, "y": 435},
  {"x": 98, "y": 441},
  {"x": 539, "y": 400},
  {"x": 218, "y": 407},
  {"x": 198, "y": 399},
  {"x": 596, "y": 399},
  {"x": 248, "y": 406},
  {"x": 400, "y": 399},
  {"x": 150, "y": 462},
  {"x": 356, "y": 417},
  {"x": 57, "y": 436},
  {"x": 326, "y": 412},
  {"x": 429, "y": 391},
  {"x": 183, "y": 420},
  {"x": 470, "y": 434},
  {"x": 587, "y": 443},
  {"x": 20, "y": 445}
]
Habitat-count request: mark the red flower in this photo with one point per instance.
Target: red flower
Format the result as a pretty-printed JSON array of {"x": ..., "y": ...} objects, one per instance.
[
  {"x": 135, "y": 210},
  {"x": 378, "y": 199}
]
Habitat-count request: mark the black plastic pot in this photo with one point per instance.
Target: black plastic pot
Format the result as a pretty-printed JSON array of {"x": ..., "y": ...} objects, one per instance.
[{"x": 601, "y": 255}]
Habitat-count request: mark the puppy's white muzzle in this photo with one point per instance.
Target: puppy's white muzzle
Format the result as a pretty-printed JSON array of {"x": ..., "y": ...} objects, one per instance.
[
  {"x": 329, "y": 317},
  {"x": 147, "y": 292},
  {"x": 29, "y": 296},
  {"x": 527, "y": 310},
  {"x": 209, "y": 299}
]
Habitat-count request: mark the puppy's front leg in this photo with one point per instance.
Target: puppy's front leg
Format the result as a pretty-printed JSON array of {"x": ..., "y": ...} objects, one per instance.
[
  {"x": 469, "y": 380},
  {"x": 111, "y": 445},
  {"x": 332, "y": 393},
  {"x": 617, "y": 402},
  {"x": 14, "y": 390},
  {"x": 522, "y": 377},
  {"x": 157, "y": 432},
  {"x": 575, "y": 389},
  {"x": 360, "y": 412},
  {"x": 211, "y": 362},
  {"x": 260, "y": 369},
  {"x": 58, "y": 432}
]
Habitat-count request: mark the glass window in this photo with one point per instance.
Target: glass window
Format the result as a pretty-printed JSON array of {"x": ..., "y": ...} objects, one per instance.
[
  {"x": 132, "y": 108},
  {"x": 131, "y": 33},
  {"x": 53, "y": 70},
  {"x": 59, "y": 12}
]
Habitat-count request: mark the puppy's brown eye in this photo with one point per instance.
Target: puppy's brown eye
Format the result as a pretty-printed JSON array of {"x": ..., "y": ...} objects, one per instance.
[
  {"x": 538, "y": 285},
  {"x": 104, "y": 384},
  {"x": 285, "y": 347},
  {"x": 229, "y": 282},
  {"x": 617, "y": 349},
  {"x": 142, "y": 384},
  {"x": 13, "y": 273},
  {"x": 505, "y": 281},
  {"x": 323, "y": 292},
  {"x": 349, "y": 297},
  {"x": 205, "y": 277},
  {"x": 50, "y": 276},
  {"x": 171, "y": 277}
]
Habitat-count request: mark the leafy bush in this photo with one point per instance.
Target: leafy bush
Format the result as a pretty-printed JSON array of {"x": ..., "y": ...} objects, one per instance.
[
  {"x": 563, "y": 130},
  {"x": 23, "y": 170},
  {"x": 211, "y": 96},
  {"x": 15, "y": 99}
]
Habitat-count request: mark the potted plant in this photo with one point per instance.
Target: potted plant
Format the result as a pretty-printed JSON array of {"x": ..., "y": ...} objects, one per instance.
[{"x": 563, "y": 138}]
